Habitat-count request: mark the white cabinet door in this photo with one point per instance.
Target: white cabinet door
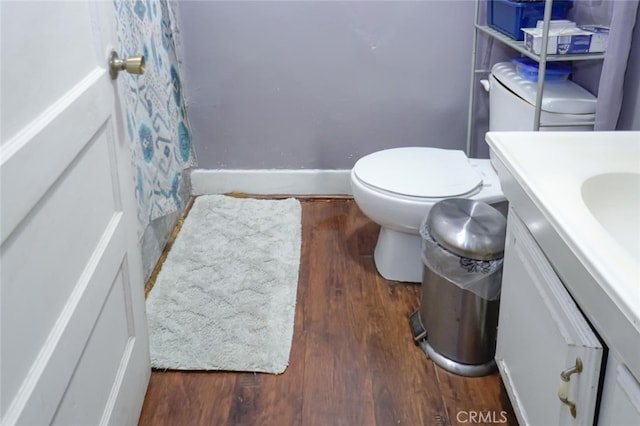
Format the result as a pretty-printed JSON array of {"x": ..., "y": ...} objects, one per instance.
[
  {"x": 73, "y": 340},
  {"x": 620, "y": 403},
  {"x": 541, "y": 332}
]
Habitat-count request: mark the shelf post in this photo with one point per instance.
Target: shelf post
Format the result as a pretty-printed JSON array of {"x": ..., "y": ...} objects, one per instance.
[
  {"x": 472, "y": 88},
  {"x": 543, "y": 64}
]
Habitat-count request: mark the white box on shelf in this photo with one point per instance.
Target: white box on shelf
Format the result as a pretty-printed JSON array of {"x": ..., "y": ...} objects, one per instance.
[
  {"x": 556, "y": 24},
  {"x": 599, "y": 37},
  {"x": 566, "y": 40}
]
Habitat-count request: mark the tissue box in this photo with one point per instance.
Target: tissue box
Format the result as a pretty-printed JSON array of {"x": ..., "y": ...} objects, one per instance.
[
  {"x": 557, "y": 24},
  {"x": 580, "y": 39}
]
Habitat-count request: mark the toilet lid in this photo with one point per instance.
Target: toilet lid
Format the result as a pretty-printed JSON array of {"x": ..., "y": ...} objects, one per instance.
[{"x": 419, "y": 172}]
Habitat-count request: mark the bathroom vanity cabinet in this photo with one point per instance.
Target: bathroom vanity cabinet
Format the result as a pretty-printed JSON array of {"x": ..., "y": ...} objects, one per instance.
[
  {"x": 556, "y": 309},
  {"x": 541, "y": 333}
]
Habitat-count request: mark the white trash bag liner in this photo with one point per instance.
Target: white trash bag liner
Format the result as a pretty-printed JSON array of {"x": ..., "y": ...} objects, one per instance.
[{"x": 482, "y": 277}]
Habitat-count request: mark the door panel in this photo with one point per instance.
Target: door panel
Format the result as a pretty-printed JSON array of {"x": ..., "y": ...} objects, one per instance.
[
  {"x": 113, "y": 325},
  {"x": 50, "y": 240},
  {"x": 73, "y": 335},
  {"x": 34, "y": 159},
  {"x": 541, "y": 332},
  {"x": 620, "y": 403},
  {"x": 38, "y": 70}
]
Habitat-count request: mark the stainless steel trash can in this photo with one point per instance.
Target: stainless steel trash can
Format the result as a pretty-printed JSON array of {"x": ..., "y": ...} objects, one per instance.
[{"x": 462, "y": 250}]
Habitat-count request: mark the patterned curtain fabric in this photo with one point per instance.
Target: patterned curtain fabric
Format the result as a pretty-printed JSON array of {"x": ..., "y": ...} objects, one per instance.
[
  {"x": 606, "y": 79},
  {"x": 611, "y": 86},
  {"x": 157, "y": 126}
]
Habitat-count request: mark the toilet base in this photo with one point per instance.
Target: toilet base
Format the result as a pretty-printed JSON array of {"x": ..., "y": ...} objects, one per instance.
[{"x": 398, "y": 256}]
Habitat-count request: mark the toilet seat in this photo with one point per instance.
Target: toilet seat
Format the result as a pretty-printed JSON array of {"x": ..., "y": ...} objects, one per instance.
[{"x": 418, "y": 172}]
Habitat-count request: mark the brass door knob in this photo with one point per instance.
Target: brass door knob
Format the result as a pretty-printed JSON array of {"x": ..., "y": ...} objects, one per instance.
[{"x": 132, "y": 65}]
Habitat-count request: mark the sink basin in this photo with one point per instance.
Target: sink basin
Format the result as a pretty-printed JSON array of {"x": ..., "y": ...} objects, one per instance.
[{"x": 614, "y": 200}]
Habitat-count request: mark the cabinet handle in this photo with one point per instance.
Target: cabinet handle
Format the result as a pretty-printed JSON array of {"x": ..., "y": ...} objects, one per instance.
[{"x": 563, "y": 392}]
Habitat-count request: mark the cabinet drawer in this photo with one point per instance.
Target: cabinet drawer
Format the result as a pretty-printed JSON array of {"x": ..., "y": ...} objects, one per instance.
[{"x": 541, "y": 332}]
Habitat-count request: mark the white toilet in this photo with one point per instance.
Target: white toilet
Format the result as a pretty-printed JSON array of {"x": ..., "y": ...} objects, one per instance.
[{"x": 396, "y": 187}]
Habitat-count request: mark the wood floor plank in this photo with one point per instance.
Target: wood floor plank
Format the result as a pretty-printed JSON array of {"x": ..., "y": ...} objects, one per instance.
[
  {"x": 188, "y": 398},
  {"x": 353, "y": 360},
  {"x": 405, "y": 391},
  {"x": 475, "y": 396},
  {"x": 337, "y": 382}
]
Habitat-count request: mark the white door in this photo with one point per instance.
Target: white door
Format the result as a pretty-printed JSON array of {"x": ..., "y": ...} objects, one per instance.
[{"x": 74, "y": 347}]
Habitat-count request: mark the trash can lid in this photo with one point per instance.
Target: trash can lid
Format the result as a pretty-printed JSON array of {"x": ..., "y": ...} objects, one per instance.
[{"x": 471, "y": 229}]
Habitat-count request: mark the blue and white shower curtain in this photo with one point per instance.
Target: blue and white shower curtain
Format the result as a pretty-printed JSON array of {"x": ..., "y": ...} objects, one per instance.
[{"x": 156, "y": 121}]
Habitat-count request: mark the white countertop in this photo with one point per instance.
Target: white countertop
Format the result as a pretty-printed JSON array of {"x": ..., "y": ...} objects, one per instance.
[{"x": 551, "y": 168}]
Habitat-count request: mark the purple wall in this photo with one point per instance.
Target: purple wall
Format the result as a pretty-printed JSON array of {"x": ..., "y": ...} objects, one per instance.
[{"x": 319, "y": 84}]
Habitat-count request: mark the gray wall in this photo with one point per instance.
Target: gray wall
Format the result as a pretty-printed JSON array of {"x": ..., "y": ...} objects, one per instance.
[{"x": 319, "y": 84}]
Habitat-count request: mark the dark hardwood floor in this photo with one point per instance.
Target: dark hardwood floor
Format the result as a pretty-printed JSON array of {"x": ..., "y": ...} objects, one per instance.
[{"x": 353, "y": 360}]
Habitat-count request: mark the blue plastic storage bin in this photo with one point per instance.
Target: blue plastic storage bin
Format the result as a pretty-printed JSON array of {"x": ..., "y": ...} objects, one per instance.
[
  {"x": 528, "y": 68},
  {"x": 509, "y": 16}
]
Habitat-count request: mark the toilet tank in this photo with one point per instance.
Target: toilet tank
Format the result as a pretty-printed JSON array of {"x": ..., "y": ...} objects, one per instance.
[{"x": 512, "y": 99}]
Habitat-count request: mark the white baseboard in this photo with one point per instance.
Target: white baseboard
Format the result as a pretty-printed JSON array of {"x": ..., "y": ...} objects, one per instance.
[{"x": 315, "y": 182}]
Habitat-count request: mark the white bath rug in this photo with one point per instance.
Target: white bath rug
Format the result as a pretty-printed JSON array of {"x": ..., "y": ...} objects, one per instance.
[{"x": 225, "y": 297}]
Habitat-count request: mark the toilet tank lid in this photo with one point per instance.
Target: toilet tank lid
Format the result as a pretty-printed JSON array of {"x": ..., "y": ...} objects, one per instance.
[
  {"x": 560, "y": 97},
  {"x": 419, "y": 172}
]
